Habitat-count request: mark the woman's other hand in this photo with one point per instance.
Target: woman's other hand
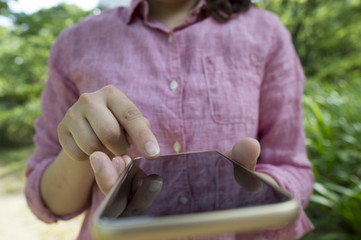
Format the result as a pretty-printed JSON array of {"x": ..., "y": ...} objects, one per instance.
[
  {"x": 106, "y": 121},
  {"x": 246, "y": 152}
]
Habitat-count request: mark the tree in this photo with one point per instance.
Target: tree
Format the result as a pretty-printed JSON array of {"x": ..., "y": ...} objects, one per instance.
[
  {"x": 4, "y": 8},
  {"x": 325, "y": 34},
  {"x": 24, "y": 50}
]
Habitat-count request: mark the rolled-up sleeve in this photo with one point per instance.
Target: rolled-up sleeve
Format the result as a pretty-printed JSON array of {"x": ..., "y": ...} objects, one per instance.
[
  {"x": 281, "y": 129},
  {"x": 58, "y": 95}
]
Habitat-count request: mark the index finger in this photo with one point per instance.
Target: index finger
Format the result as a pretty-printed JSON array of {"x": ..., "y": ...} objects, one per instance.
[{"x": 133, "y": 122}]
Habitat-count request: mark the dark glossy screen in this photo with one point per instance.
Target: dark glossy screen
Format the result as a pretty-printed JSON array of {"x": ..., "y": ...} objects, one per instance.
[{"x": 192, "y": 183}]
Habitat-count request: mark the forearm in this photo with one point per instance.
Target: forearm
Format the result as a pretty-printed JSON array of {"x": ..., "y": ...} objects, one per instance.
[{"x": 66, "y": 184}]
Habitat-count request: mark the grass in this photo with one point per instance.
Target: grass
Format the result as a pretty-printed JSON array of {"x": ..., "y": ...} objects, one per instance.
[
  {"x": 333, "y": 130},
  {"x": 12, "y": 168}
]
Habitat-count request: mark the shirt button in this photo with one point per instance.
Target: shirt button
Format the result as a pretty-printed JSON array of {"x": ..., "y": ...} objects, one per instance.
[
  {"x": 183, "y": 199},
  {"x": 173, "y": 85},
  {"x": 177, "y": 147},
  {"x": 170, "y": 38}
]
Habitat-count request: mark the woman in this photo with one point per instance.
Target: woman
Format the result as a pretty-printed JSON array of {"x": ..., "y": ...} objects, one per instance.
[{"x": 203, "y": 74}]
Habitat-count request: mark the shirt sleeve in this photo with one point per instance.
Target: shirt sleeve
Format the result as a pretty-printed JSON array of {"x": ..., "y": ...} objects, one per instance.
[
  {"x": 281, "y": 131},
  {"x": 58, "y": 95}
]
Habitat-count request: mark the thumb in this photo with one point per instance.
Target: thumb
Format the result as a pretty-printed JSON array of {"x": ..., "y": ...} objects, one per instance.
[
  {"x": 245, "y": 152},
  {"x": 107, "y": 171}
]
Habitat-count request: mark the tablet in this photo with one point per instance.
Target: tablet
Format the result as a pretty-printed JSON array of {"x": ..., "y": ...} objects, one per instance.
[{"x": 238, "y": 200}]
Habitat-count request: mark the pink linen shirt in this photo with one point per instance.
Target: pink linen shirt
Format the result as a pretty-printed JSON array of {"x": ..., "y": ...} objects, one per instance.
[{"x": 203, "y": 86}]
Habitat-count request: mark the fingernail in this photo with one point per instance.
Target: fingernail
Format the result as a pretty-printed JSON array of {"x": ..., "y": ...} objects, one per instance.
[
  {"x": 117, "y": 162},
  {"x": 151, "y": 148},
  {"x": 127, "y": 159},
  {"x": 259, "y": 146},
  {"x": 155, "y": 186},
  {"x": 95, "y": 162}
]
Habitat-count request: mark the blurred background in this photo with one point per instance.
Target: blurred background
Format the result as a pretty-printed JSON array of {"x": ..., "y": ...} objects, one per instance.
[{"x": 327, "y": 36}]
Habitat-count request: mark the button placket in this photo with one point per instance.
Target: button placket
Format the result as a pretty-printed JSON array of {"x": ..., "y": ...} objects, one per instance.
[
  {"x": 177, "y": 147},
  {"x": 173, "y": 85},
  {"x": 170, "y": 37}
]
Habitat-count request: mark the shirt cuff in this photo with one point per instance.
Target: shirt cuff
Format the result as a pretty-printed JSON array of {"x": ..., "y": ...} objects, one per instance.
[{"x": 298, "y": 182}]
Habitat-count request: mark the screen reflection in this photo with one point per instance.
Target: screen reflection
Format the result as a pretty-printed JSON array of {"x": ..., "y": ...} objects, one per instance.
[{"x": 193, "y": 183}]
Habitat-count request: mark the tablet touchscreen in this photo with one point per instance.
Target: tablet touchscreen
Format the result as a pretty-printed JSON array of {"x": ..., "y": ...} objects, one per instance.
[{"x": 197, "y": 182}]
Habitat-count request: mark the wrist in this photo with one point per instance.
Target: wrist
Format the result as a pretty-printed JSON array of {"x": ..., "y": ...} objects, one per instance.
[
  {"x": 66, "y": 184},
  {"x": 81, "y": 165}
]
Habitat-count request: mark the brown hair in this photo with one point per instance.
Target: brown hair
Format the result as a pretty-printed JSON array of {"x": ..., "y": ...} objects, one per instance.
[{"x": 222, "y": 10}]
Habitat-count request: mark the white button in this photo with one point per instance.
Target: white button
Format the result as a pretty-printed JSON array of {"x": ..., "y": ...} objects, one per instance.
[
  {"x": 170, "y": 38},
  {"x": 183, "y": 199},
  {"x": 173, "y": 85},
  {"x": 177, "y": 147}
]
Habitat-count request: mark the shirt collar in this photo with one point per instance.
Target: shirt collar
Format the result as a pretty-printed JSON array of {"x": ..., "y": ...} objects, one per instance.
[
  {"x": 131, "y": 9},
  {"x": 144, "y": 8}
]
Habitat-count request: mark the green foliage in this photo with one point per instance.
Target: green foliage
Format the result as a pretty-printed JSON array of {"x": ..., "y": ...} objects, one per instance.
[
  {"x": 24, "y": 50},
  {"x": 4, "y": 8},
  {"x": 325, "y": 33},
  {"x": 333, "y": 129},
  {"x": 17, "y": 123},
  {"x": 327, "y": 37}
]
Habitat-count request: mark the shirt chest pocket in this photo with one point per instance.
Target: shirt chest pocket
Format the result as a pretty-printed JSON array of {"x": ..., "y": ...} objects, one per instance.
[{"x": 233, "y": 89}]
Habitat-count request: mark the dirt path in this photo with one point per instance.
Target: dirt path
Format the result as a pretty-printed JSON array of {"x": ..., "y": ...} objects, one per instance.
[
  {"x": 16, "y": 220},
  {"x": 18, "y": 223}
]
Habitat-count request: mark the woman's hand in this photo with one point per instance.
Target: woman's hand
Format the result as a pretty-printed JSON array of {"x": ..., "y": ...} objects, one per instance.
[
  {"x": 246, "y": 152},
  {"x": 144, "y": 189},
  {"x": 106, "y": 121},
  {"x": 106, "y": 170}
]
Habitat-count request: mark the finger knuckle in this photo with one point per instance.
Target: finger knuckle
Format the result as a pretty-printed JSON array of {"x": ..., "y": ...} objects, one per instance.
[
  {"x": 110, "y": 90},
  {"x": 86, "y": 98},
  {"x": 70, "y": 114},
  {"x": 110, "y": 135},
  {"x": 92, "y": 146},
  {"x": 131, "y": 113}
]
